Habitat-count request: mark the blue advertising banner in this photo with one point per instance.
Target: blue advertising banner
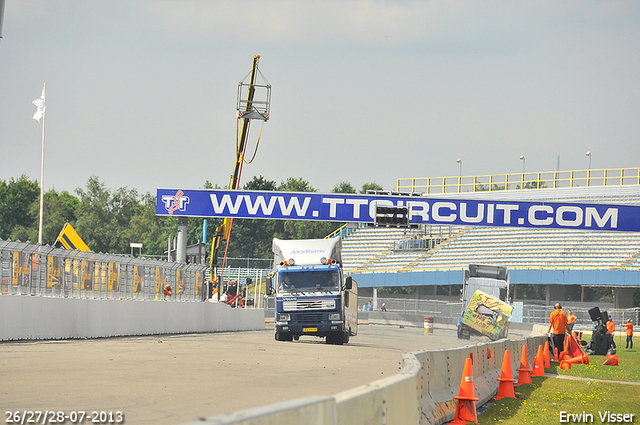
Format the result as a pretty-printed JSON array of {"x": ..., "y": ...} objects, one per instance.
[{"x": 362, "y": 209}]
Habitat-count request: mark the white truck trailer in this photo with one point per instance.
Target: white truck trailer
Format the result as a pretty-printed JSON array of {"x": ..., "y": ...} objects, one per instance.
[{"x": 313, "y": 297}]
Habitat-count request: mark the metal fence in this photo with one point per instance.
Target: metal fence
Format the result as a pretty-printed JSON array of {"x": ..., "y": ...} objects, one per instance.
[
  {"x": 530, "y": 313},
  {"x": 515, "y": 181},
  {"x": 33, "y": 269},
  {"x": 255, "y": 294}
]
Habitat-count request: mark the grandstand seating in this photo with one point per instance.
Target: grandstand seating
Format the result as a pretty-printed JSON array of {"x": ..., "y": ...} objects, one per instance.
[{"x": 384, "y": 249}]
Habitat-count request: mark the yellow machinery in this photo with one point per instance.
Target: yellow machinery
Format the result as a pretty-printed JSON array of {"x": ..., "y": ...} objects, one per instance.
[{"x": 70, "y": 239}]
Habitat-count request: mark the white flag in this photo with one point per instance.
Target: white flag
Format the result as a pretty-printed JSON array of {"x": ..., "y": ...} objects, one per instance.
[{"x": 41, "y": 106}]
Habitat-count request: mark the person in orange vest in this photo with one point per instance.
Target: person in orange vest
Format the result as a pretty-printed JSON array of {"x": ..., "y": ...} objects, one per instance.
[
  {"x": 558, "y": 321},
  {"x": 167, "y": 291},
  {"x": 611, "y": 327},
  {"x": 629, "y": 327},
  {"x": 571, "y": 318}
]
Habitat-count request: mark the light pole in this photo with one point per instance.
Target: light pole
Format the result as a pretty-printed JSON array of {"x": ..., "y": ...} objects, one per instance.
[
  {"x": 588, "y": 153},
  {"x": 459, "y": 161},
  {"x": 523, "y": 162}
]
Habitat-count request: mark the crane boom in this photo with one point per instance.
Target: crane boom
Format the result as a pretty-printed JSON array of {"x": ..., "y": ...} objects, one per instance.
[
  {"x": 250, "y": 112},
  {"x": 235, "y": 179}
]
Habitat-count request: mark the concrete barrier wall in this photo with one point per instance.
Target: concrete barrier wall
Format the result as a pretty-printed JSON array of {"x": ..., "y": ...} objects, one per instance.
[
  {"x": 422, "y": 393},
  {"x": 34, "y": 318},
  {"x": 443, "y": 373}
]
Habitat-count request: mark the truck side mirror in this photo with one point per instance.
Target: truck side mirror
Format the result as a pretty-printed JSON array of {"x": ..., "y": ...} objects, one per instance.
[
  {"x": 269, "y": 285},
  {"x": 348, "y": 282}
]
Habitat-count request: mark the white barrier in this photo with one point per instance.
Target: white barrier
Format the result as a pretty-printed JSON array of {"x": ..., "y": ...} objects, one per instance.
[
  {"x": 422, "y": 393},
  {"x": 33, "y": 318}
]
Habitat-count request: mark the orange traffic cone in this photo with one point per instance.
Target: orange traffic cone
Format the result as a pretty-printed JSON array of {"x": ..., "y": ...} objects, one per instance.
[
  {"x": 563, "y": 355},
  {"x": 555, "y": 355},
  {"x": 612, "y": 360},
  {"x": 466, "y": 405},
  {"x": 572, "y": 360},
  {"x": 564, "y": 365},
  {"x": 585, "y": 358},
  {"x": 488, "y": 353},
  {"x": 545, "y": 355},
  {"x": 524, "y": 372},
  {"x": 538, "y": 363},
  {"x": 505, "y": 389}
]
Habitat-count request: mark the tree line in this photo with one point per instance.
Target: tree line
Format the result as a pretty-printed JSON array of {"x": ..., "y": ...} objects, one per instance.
[{"x": 109, "y": 220}]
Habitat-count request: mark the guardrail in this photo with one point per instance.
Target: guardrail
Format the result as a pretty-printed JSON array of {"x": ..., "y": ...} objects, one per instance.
[
  {"x": 33, "y": 269},
  {"x": 516, "y": 181}
]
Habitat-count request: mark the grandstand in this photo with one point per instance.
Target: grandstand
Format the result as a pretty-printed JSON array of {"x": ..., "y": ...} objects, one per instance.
[
  {"x": 369, "y": 249},
  {"x": 371, "y": 252}
]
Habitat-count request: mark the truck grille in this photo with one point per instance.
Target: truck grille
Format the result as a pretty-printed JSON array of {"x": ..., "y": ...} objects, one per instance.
[
  {"x": 318, "y": 304},
  {"x": 308, "y": 318}
]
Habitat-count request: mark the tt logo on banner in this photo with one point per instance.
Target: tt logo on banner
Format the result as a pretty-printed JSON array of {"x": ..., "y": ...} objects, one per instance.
[{"x": 175, "y": 203}]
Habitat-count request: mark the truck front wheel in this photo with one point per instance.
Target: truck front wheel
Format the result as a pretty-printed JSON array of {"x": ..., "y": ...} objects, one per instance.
[
  {"x": 283, "y": 337},
  {"x": 337, "y": 338}
]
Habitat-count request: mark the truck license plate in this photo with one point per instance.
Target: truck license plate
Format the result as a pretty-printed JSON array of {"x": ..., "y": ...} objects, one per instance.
[{"x": 310, "y": 330}]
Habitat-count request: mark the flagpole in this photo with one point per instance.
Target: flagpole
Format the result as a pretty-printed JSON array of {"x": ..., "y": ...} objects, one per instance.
[{"x": 42, "y": 175}]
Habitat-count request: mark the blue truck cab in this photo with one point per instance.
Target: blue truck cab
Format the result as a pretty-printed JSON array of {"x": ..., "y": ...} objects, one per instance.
[{"x": 312, "y": 295}]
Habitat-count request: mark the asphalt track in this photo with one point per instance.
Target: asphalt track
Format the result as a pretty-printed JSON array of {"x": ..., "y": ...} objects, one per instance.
[{"x": 177, "y": 379}]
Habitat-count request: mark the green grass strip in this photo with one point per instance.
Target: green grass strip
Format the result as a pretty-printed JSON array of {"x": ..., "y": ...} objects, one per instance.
[{"x": 552, "y": 400}]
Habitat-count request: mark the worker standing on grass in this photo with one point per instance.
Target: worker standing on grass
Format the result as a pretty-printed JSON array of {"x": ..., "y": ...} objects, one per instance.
[
  {"x": 558, "y": 321},
  {"x": 629, "y": 327},
  {"x": 611, "y": 327},
  {"x": 571, "y": 319}
]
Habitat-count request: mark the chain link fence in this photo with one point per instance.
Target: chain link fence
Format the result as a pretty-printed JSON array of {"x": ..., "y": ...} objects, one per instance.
[
  {"x": 33, "y": 269},
  {"x": 529, "y": 313}
]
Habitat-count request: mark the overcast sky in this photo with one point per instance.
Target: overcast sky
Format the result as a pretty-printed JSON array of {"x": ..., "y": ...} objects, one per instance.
[{"x": 142, "y": 93}]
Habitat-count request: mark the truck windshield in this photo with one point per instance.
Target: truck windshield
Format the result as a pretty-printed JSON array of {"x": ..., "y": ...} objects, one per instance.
[{"x": 308, "y": 281}]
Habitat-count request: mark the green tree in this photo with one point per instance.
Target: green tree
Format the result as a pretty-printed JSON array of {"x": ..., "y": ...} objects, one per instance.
[
  {"x": 370, "y": 186},
  {"x": 59, "y": 208},
  {"x": 296, "y": 185},
  {"x": 149, "y": 229},
  {"x": 103, "y": 217},
  {"x": 533, "y": 185},
  {"x": 344, "y": 187},
  {"x": 260, "y": 183},
  {"x": 16, "y": 216}
]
